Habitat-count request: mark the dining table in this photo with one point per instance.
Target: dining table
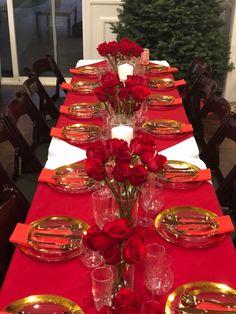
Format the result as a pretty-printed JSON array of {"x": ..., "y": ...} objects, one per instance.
[{"x": 71, "y": 278}]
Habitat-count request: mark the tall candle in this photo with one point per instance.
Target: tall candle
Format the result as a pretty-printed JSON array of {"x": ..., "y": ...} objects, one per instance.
[
  {"x": 124, "y": 70},
  {"x": 123, "y": 132}
]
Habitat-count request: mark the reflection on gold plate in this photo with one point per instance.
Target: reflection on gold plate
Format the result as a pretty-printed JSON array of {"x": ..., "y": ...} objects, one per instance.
[
  {"x": 73, "y": 179},
  {"x": 55, "y": 238},
  {"x": 87, "y": 70},
  {"x": 84, "y": 87},
  {"x": 161, "y": 82},
  {"x": 188, "y": 226},
  {"x": 162, "y": 127},
  {"x": 81, "y": 133},
  {"x": 86, "y": 110},
  {"x": 201, "y": 290},
  {"x": 178, "y": 174},
  {"x": 155, "y": 67},
  {"x": 160, "y": 101},
  {"x": 44, "y": 303}
]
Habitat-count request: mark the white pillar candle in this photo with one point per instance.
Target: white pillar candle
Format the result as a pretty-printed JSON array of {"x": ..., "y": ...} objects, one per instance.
[
  {"x": 124, "y": 70},
  {"x": 122, "y": 132}
]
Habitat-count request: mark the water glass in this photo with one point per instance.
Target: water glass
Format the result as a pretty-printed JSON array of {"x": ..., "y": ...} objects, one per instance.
[
  {"x": 91, "y": 259},
  {"x": 103, "y": 209},
  {"x": 159, "y": 276},
  {"x": 102, "y": 282}
]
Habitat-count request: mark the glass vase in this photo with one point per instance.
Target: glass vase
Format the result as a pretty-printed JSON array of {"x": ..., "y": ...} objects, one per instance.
[
  {"x": 124, "y": 276},
  {"x": 128, "y": 207}
]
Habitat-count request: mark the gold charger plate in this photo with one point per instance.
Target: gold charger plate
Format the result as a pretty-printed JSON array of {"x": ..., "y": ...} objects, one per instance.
[
  {"x": 178, "y": 174},
  {"x": 44, "y": 303},
  {"x": 55, "y": 238},
  {"x": 81, "y": 133},
  {"x": 87, "y": 70},
  {"x": 84, "y": 87},
  {"x": 161, "y": 102},
  {"x": 163, "y": 128},
  {"x": 161, "y": 83},
  {"x": 188, "y": 226},
  {"x": 86, "y": 110},
  {"x": 201, "y": 289}
]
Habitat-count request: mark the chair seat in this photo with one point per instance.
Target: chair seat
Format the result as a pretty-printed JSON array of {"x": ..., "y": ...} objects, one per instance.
[{"x": 27, "y": 184}]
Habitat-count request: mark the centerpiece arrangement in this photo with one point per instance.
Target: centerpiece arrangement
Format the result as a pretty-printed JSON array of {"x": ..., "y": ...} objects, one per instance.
[
  {"x": 119, "y": 97},
  {"x": 116, "y": 51},
  {"x": 124, "y": 168}
]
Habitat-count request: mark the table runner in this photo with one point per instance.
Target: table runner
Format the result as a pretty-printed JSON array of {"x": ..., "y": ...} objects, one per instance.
[{"x": 71, "y": 279}]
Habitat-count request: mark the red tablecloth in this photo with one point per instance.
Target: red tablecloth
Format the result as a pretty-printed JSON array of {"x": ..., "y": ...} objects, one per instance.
[{"x": 71, "y": 279}]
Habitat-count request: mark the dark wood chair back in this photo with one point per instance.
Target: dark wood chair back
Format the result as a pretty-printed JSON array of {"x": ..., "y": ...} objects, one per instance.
[
  {"x": 25, "y": 160},
  {"x": 48, "y": 65},
  {"x": 21, "y": 106},
  {"x": 34, "y": 87},
  {"x": 13, "y": 209}
]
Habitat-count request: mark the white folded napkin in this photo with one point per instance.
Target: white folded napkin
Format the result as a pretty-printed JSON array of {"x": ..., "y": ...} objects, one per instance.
[
  {"x": 61, "y": 153},
  {"x": 161, "y": 62}
]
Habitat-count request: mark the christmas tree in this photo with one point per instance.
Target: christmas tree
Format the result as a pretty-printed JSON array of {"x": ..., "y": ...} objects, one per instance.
[{"x": 177, "y": 31}]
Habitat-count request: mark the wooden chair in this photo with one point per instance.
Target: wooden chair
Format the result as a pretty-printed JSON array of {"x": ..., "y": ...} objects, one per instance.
[
  {"x": 198, "y": 96},
  {"x": 13, "y": 209},
  {"x": 21, "y": 108},
  {"x": 35, "y": 89},
  {"x": 225, "y": 185},
  {"x": 44, "y": 66}
]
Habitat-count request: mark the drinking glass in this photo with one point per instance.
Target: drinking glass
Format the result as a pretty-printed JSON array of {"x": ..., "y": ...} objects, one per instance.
[
  {"x": 102, "y": 282},
  {"x": 159, "y": 276},
  {"x": 103, "y": 209},
  {"x": 91, "y": 259}
]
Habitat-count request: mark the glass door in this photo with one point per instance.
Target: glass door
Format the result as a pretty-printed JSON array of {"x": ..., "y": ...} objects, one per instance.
[{"x": 39, "y": 27}]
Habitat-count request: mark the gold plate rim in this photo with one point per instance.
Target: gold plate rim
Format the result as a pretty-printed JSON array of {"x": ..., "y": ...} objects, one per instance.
[
  {"x": 83, "y": 69},
  {"x": 155, "y": 80},
  {"x": 201, "y": 284},
  {"x": 95, "y": 108},
  {"x": 30, "y": 300}
]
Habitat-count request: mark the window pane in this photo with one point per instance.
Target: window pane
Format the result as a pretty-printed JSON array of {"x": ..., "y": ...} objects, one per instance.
[{"x": 5, "y": 50}]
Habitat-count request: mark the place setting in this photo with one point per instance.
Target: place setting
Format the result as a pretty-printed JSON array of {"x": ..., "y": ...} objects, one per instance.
[
  {"x": 70, "y": 178},
  {"x": 193, "y": 227},
  {"x": 79, "y": 133},
  {"x": 151, "y": 69},
  {"x": 167, "y": 129},
  {"x": 177, "y": 174},
  {"x": 162, "y": 83},
  {"x": 157, "y": 101},
  {"x": 83, "y": 86},
  {"x": 202, "y": 297},
  {"x": 84, "y": 110},
  {"x": 51, "y": 239},
  {"x": 44, "y": 303}
]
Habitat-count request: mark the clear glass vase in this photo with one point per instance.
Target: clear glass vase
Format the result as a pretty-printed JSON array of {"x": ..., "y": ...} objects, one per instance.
[
  {"x": 124, "y": 276},
  {"x": 128, "y": 207}
]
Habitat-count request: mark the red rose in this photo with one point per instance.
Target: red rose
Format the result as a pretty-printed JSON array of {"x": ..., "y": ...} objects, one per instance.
[
  {"x": 135, "y": 80},
  {"x": 125, "y": 302},
  {"x": 140, "y": 93},
  {"x": 123, "y": 94},
  {"x": 112, "y": 255},
  {"x": 100, "y": 93},
  {"x": 97, "y": 150},
  {"x": 118, "y": 229},
  {"x": 125, "y": 47},
  {"x": 140, "y": 232},
  {"x": 138, "y": 175},
  {"x": 95, "y": 169},
  {"x": 117, "y": 147},
  {"x": 97, "y": 240},
  {"x": 147, "y": 155},
  {"x": 156, "y": 162},
  {"x": 121, "y": 172},
  {"x": 136, "y": 49},
  {"x": 102, "y": 49},
  {"x": 133, "y": 250},
  {"x": 112, "y": 48},
  {"x": 153, "y": 307},
  {"x": 110, "y": 81}
]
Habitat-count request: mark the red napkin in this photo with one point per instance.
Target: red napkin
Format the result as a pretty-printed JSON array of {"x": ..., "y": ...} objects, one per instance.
[
  {"x": 46, "y": 176},
  {"x": 180, "y": 83},
  {"x": 203, "y": 175},
  {"x": 215, "y": 307},
  {"x": 77, "y": 72},
  {"x": 56, "y": 132},
  {"x": 64, "y": 109},
  {"x": 20, "y": 234},
  {"x": 225, "y": 225},
  {"x": 186, "y": 128}
]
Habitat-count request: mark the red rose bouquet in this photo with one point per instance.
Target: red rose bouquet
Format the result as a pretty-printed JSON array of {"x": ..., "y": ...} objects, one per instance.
[
  {"x": 121, "y": 244},
  {"x": 122, "y": 98},
  {"x": 124, "y": 168},
  {"x": 119, "y": 50}
]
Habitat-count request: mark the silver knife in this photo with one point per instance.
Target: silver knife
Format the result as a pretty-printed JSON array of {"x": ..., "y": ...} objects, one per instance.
[{"x": 195, "y": 310}]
